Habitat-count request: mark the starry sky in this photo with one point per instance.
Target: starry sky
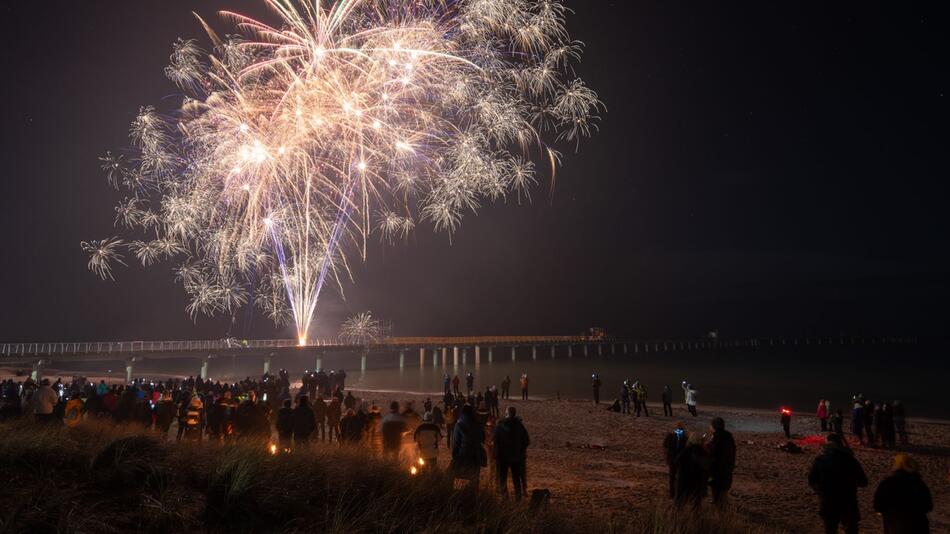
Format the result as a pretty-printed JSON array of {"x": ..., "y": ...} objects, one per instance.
[{"x": 763, "y": 168}]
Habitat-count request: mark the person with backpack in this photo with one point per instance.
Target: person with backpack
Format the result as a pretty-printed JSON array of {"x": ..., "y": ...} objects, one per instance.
[
  {"x": 673, "y": 444},
  {"x": 194, "y": 419}
]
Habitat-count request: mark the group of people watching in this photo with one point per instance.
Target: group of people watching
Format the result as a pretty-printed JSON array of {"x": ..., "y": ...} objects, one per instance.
[{"x": 635, "y": 393}]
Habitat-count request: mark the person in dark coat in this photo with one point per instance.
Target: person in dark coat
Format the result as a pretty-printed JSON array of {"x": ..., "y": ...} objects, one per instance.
[
  {"x": 836, "y": 476},
  {"x": 692, "y": 473},
  {"x": 673, "y": 445},
  {"x": 511, "y": 443},
  {"x": 903, "y": 499},
  {"x": 722, "y": 460},
  {"x": 304, "y": 422},
  {"x": 900, "y": 421},
  {"x": 468, "y": 453},
  {"x": 595, "y": 384},
  {"x": 251, "y": 420},
  {"x": 320, "y": 415},
  {"x": 667, "y": 397},
  {"x": 165, "y": 412},
  {"x": 351, "y": 428},
  {"x": 285, "y": 425}
]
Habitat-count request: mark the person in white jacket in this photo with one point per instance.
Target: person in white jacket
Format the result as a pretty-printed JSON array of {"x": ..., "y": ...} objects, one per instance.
[
  {"x": 44, "y": 402},
  {"x": 690, "y": 394}
]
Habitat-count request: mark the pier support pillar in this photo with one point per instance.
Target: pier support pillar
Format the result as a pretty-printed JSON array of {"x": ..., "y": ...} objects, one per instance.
[
  {"x": 625, "y": 348},
  {"x": 464, "y": 355},
  {"x": 613, "y": 349},
  {"x": 600, "y": 349},
  {"x": 585, "y": 349},
  {"x": 422, "y": 357},
  {"x": 435, "y": 358},
  {"x": 445, "y": 355},
  {"x": 552, "y": 352},
  {"x": 455, "y": 356},
  {"x": 129, "y": 366},
  {"x": 478, "y": 355},
  {"x": 570, "y": 351},
  {"x": 513, "y": 354},
  {"x": 534, "y": 352},
  {"x": 489, "y": 354},
  {"x": 363, "y": 363},
  {"x": 402, "y": 359},
  {"x": 204, "y": 369}
]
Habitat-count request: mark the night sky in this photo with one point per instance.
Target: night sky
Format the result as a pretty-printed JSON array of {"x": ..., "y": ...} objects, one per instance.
[{"x": 764, "y": 168}]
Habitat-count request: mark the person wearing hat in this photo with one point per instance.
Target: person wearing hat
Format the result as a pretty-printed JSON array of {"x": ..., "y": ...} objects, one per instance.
[
  {"x": 427, "y": 437},
  {"x": 903, "y": 499}
]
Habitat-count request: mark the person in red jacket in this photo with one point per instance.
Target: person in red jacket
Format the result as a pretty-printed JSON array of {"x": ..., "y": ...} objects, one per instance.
[{"x": 822, "y": 414}]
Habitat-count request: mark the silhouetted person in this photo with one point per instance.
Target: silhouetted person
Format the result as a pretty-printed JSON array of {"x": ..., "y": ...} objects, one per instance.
[
  {"x": 787, "y": 422},
  {"x": 903, "y": 499},
  {"x": 900, "y": 421},
  {"x": 468, "y": 453},
  {"x": 667, "y": 396},
  {"x": 822, "y": 414},
  {"x": 524, "y": 386},
  {"x": 511, "y": 442},
  {"x": 392, "y": 427},
  {"x": 722, "y": 460},
  {"x": 351, "y": 428},
  {"x": 303, "y": 422},
  {"x": 505, "y": 387},
  {"x": 595, "y": 384},
  {"x": 836, "y": 476},
  {"x": 692, "y": 473},
  {"x": 285, "y": 425},
  {"x": 673, "y": 445}
]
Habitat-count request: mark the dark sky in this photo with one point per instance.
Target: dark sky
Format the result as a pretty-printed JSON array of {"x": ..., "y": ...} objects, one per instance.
[{"x": 764, "y": 168}]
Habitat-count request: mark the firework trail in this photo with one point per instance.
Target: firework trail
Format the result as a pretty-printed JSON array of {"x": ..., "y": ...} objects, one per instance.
[{"x": 296, "y": 142}]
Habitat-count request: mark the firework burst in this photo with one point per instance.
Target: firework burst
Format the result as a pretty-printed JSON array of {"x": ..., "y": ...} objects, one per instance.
[{"x": 295, "y": 142}]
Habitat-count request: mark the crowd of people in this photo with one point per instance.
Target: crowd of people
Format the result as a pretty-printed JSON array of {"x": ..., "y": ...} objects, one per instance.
[{"x": 475, "y": 434}]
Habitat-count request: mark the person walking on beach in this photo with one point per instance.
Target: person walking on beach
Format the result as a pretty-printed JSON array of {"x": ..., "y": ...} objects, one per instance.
[
  {"x": 822, "y": 415},
  {"x": 524, "y": 386},
  {"x": 595, "y": 383},
  {"x": 511, "y": 443},
  {"x": 689, "y": 397},
  {"x": 468, "y": 452},
  {"x": 392, "y": 428},
  {"x": 836, "y": 476},
  {"x": 673, "y": 445},
  {"x": 506, "y": 387},
  {"x": 903, "y": 499},
  {"x": 469, "y": 383},
  {"x": 667, "y": 397},
  {"x": 722, "y": 460},
  {"x": 692, "y": 473}
]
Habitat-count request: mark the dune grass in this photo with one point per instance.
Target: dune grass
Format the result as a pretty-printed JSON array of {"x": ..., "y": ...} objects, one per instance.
[{"x": 101, "y": 478}]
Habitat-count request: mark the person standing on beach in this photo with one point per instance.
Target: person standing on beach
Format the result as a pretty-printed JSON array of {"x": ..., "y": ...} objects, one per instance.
[
  {"x": 511, "y": 443},
  {"x": 667, "y": 396},
  {"x": 903, "y": 499},
  {"x": 822, "y": 415},
  {"x": 857, "y": 421},
  {"x": 44, "y": 400},
  {"x": 304, "y": 422},
  {"x": 722, "y": 460},
  {"x": 505, "y": 387},
  {"x": 690, "y": 398},
  {"x": 469, "y": 383},
  {"x": 320, "y": 418},
  {"x": 836, "y": 476},
  {"x": 427, "y": 437},
  {"x": 595, "y": 383},
  {"x": 900, "y": 421},
  {"x": 625, "y": 398},
  {"x": 787, "y": 422},
  {"x": 837, "y": 425},
  {"x": 640, "y": 398},
  {"x": 692, "y": 473},
  {"x": 446, "y": 384},
  {"x": 673, "y": 445},
  {"x": 468, "y": 452},
  {"x": 285, "y": 425},
  {"x": 455, "y": 385},
  {"x": 392, "y": 427},
  {"x": 524, "y": 386}
]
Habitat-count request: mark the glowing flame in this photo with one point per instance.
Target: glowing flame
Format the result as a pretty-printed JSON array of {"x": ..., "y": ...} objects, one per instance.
[
  {"x": 413, "y": 470},
  {"x": 273, "y": 449}
]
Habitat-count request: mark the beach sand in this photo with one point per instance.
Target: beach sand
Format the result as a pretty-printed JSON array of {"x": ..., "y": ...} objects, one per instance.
[{"x": 592, "y": 459}]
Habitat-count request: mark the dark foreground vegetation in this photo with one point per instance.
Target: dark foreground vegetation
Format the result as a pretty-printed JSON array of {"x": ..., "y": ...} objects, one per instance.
[{"x": 101, "y": 478}]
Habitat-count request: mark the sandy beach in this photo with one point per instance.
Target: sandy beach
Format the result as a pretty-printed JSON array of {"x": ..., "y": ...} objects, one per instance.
[{"x": 592, "y": 459}]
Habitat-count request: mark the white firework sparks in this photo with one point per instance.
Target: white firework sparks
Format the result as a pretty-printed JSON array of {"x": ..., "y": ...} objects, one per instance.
[{"x": 296, "y": 141}]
